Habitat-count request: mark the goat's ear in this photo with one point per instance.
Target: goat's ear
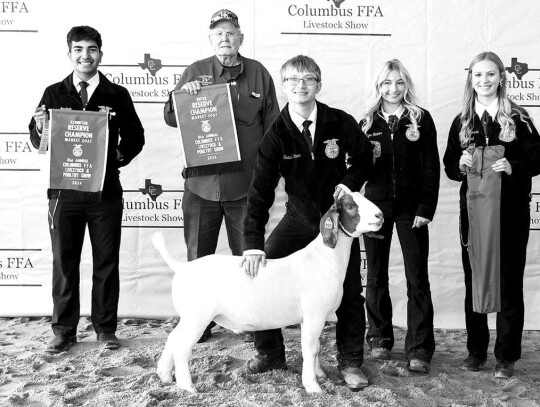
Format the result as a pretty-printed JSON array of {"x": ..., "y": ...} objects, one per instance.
[{"x": 329, "y": 226}]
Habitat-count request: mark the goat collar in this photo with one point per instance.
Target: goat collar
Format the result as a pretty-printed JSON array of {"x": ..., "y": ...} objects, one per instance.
[{"x": 344, "y": 230}]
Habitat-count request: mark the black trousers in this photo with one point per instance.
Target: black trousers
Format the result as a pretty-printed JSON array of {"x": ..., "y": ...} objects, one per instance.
[
  {"x": 104, "y": 220},
  {"x": 514, "y": 238},
  {"x": 289, "y": 236},
  {"x": 420, "y": 340}
]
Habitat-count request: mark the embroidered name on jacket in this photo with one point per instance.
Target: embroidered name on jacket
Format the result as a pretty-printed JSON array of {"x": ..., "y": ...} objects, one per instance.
[
  {"x": 374, "y": 134},
  {"x": 291, "y": 157}
]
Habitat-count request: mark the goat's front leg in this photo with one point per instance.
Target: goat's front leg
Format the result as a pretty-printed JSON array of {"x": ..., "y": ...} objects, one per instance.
[{"x": 311, "y": 369}]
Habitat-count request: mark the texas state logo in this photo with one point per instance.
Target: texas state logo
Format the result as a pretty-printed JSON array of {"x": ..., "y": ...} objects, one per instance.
[{"x": 522, "y": 87}]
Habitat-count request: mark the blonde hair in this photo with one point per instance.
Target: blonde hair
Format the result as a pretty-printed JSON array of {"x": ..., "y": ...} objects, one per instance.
[
  {"x": 374, "y": 102},
  {"x": 506, "y": 108}
]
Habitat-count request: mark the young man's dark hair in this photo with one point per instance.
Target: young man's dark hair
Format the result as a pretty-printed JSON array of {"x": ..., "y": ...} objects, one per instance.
[{"x": 83, "y": 32}]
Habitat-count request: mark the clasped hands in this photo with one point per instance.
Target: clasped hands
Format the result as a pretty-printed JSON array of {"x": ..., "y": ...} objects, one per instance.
[{"x": 502, "y": 164}]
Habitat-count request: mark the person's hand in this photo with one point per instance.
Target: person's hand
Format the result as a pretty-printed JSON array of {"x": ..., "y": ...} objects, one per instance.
[
  {"x": 502, "y": 164},
  {"x": 251, "y": 262},
  {"x": 40, "y": 115},
  {"x": 192, "y": 87},
  {"x": 465, "y": 160},
  {"x": 419, "y": 221}
]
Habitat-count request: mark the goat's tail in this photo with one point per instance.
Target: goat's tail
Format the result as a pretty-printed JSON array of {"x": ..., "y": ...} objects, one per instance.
[{"x": 159, "y": 242}]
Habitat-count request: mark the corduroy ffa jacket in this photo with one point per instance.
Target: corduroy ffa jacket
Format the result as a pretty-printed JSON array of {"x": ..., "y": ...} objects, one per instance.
[
  {"x": 406, "y": 165},
  {"x": 341, "y": 155}
]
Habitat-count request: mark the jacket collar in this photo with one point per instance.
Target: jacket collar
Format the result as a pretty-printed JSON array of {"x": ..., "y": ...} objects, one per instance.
[
  {"x": 325, "y": 116},
  {"x": 66, "y": 86},
  {"x": 219, "y": 68}
]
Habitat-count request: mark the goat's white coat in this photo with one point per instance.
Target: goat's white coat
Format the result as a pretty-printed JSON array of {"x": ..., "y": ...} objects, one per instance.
[{"x": 305, "y": 287}]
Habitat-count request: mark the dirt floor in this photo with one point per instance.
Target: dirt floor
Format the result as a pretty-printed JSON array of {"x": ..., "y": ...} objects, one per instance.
[{"x": 89, "y": 376}]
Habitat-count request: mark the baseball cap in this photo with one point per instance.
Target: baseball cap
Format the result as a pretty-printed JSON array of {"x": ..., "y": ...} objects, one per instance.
[{"x": 224, "y": 15}]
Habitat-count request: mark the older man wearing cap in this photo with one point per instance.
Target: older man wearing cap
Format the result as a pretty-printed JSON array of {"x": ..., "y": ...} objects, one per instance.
[{"x": 219, "y": 191}]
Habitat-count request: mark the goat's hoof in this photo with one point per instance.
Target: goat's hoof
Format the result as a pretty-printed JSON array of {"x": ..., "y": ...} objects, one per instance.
[
  {"x": 165, "y": 377},
  {"x": 189, "y": 388},
  {"x": 313, "y": 388}
]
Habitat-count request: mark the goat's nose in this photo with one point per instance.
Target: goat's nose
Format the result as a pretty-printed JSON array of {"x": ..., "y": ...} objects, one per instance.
[{"x": 380, "y": 216}]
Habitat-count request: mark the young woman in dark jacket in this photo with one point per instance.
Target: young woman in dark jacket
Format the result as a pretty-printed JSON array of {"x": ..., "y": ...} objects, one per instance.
[
  {"x": 404, "y": 183},
  {"x": 490, "y": 123}
]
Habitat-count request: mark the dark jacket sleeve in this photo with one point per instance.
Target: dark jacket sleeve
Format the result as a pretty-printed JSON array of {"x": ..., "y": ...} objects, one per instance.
[
  {"x": 528, "y": 164},
  {"x": 261, "y": 192},
  {"x": 131, "y": 131},
  {"x": 271, "y": 106},
  {"x": 453, "y": 152},
  {"x": 431, "y": 171},
  {"x": 360, "y": 156}
]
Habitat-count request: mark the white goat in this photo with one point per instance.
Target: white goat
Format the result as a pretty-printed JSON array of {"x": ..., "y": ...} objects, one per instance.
[{"x": 305, "y": 287}]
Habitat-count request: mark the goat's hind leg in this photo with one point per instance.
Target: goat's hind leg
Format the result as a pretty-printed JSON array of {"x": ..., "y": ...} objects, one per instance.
[
  {"x": 178, "y": 351},
  {"x": 311, "y": 369}
]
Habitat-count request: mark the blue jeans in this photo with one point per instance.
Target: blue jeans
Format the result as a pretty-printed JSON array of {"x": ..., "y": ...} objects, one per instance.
[
  {"x": 202, "y": 221},
  {"x": 289, "y": 236}
]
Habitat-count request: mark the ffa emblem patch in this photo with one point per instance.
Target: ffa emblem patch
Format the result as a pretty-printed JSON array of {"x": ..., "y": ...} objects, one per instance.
[
  {"x": 332, "y": 149},
  {"x": 328, "y": 224},
  {"x": 376, "y": 150},
  {"x": 77, "y": 150},
  {"x": 412, "y": 133},
  {"x": 205, "y": 126},
  {"x": 507, "y": 138}
]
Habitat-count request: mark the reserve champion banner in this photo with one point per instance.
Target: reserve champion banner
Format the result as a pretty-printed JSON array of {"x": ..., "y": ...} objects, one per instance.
[
  {"x": 349, "y": 39},
  {"x": 79, "y": 141},
  {"x": 206, "y": 126}
]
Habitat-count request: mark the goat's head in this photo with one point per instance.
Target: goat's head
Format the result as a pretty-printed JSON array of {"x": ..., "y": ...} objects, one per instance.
[{"x": 354, "y": 214}]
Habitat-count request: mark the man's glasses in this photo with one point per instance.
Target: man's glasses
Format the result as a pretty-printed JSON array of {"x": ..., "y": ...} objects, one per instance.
[
  {"x": 308, "y": 80},
  {"x": 222, "y": 34}
]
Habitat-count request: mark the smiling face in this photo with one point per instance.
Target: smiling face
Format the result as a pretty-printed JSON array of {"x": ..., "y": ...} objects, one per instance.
[
  {"x": 85, "y": 57},
  {"x": 226, "y": 39},
  {"x": 485, "y": 79},
  {"x": 392, "y": 90},
  {"x": 304, "y": 91}
]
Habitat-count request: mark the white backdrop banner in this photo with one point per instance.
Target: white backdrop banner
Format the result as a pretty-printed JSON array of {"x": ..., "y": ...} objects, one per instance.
[{"x": 146, "y": 47}]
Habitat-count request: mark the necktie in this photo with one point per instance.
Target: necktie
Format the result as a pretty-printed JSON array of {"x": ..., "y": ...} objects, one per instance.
[
  {"x": 392, "y": 123},
  {"x": 306, "y": 133},
  {"x": 84, "y": 93},
  {"x": 486, "y": 122}
]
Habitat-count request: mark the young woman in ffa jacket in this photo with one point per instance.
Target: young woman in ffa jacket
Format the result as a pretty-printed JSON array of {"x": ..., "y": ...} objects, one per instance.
[
  {"x": 404, "y": 184},
  {"x": 488, "y": 122}
]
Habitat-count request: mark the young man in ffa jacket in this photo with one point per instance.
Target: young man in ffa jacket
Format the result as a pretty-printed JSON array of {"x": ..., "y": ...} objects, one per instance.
[
  {"x": 320, "y": 152},
  {"x": 70, "y": 211}
]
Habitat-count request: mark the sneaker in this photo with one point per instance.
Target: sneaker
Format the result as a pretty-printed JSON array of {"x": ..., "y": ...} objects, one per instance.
[
  {"x": 353, "y": 377},
  {"x": 108, "y": 340},
  {"x": 259, "y": 365},
  {"x": 504, "y": 370},
  {"x": 60, "y": 343},
  {"x": 418, "y": 366},
  {"x": 381, "y": 353},
  {"x": 472, "y": 363}
]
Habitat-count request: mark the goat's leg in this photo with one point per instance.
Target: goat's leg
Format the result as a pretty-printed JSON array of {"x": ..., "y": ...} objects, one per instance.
[
  {"x": 165, "y": 364},
  {"x": 180, "y": 343},
  {"x": 311, "y": 331},
  {"x": 319, "y": 373}
]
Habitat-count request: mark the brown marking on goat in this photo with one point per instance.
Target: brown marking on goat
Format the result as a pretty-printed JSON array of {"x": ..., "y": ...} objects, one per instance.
[{"x": 349, "y": 208}]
